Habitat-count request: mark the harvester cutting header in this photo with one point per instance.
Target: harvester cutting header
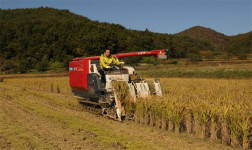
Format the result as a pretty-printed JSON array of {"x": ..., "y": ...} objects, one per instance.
[{"x": 91, "y": 82}]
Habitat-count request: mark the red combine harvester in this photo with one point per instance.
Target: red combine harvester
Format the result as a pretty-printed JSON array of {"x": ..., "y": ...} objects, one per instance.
[{"x": 94, "y": 89}]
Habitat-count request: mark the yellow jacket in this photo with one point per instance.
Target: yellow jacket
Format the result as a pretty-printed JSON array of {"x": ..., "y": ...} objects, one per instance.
[{"x": 107, "y": 61}]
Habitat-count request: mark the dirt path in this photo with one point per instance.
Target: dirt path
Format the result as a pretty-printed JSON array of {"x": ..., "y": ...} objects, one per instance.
[{"x": 31, "y": 119}]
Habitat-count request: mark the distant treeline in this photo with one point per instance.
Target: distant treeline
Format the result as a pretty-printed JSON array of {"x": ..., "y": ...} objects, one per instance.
[{"x": 43, "y": 38}]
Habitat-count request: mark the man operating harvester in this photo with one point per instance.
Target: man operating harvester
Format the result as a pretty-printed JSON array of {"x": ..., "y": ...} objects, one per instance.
[{"x": 107, "y": 60}]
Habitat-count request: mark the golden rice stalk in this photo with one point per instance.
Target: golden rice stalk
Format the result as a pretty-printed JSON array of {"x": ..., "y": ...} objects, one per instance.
[
  {"x": 235, "y": 131},
  {"x": 188, "y": 120},
  {"x": 214, "y": 117},
  {"x": 245, "y": 125},
  {"x": 225, "y": 137},
  {"x": 122, "y": 91}
]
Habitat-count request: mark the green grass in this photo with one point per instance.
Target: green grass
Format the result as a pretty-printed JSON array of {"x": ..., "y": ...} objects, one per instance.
[
  {"x": 217, "y": 68},
  {"x": 198, "y": 73}
]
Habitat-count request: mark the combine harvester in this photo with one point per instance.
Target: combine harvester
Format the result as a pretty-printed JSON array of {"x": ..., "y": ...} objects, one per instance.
[{"x": 96, "y": 92}]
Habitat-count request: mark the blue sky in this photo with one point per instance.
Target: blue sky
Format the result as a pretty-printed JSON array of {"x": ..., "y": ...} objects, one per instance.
[{"x": 230, "y": 17}]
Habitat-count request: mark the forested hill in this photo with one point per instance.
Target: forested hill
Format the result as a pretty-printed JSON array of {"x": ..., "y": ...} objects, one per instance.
[
  {"x": 235, "y": 45},
  {"x": 45, "y": 37},
  {"x": 206, "y": 34}
]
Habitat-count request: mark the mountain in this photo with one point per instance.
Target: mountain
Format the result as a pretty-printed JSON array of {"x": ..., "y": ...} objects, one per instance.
[
  {"x": 42, "y": 38},
  {"x": 205, "y": 34},
  {"x": 239, "y": 45},
  {"x": 217, "y": 39},
  {"x": 47, "y": 38},
  {"x": 240, "y": 36}
]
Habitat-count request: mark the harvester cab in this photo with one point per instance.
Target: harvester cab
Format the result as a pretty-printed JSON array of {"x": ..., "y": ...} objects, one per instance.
[{"x": 94, "y": 87}]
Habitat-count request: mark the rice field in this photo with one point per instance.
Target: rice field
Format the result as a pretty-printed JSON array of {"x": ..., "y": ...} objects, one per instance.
[
  {"x": 216, "y": 109},
  {"x": 49, "y": 84},
  {"x": 210, "y": 108}
]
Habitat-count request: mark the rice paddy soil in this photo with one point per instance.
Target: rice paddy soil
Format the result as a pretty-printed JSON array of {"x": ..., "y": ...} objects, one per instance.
[{"x": 33, "y": 118}]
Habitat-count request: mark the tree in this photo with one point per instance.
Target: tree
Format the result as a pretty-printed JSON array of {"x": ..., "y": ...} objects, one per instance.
[{"x": 43, "y": 64}]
